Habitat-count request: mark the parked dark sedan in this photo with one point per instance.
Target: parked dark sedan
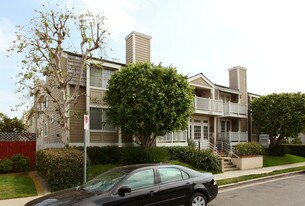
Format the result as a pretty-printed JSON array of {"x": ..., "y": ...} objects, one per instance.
[{"x": 137, "y": 185}]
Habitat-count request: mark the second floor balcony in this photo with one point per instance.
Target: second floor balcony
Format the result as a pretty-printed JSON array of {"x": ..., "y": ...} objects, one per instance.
[
  {"x": 208, "y": 106},
  {"x": 218, "y": 107}
]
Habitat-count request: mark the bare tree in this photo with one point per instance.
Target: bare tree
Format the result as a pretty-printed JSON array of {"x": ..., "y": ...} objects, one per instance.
[{"x": 42, "y": 45}]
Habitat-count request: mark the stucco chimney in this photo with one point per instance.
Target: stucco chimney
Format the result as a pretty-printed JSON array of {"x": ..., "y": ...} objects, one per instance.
[
  {"x": 137, "y": 47},
  {"x": 238, "y": 80}
]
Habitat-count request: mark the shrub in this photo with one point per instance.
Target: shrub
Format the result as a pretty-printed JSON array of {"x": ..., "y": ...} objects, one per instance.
[
  {"x": 20, "y": 163},
  {"x": 276, "y": 150},
  {"x": 138, "y": 155},
  {"x": 248, "y": 149},
  {"x": 157, "y": 155},
  {"x": 102, "y": 155},
  {"x": 201, "y": 159},
  {"x": 61, "y": 168},
  {"x": 296, "y": 140},
  {"x": 295, "y": 149},
  {"x": 6, "y": 165}
]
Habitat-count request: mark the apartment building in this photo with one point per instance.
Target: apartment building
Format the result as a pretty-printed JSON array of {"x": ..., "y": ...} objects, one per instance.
[
  {"x": 221, "y": 116},
  {"x": 221, "y": 113}
]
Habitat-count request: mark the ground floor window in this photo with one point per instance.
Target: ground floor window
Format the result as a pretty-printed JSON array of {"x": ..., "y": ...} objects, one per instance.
[{"x": 98, "y": 120}]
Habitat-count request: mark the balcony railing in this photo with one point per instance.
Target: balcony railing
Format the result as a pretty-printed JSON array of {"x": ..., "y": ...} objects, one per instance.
[
  {"x": 209, "y": 106},
  {"x": 235, "y": 109},
  {"x": 233, "y": 136}
]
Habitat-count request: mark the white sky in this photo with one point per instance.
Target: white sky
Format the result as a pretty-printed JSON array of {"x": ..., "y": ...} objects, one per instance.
[{"x": 266, "y": 37}]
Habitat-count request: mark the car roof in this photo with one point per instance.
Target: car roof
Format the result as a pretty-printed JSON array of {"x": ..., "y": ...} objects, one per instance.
[{"x": 130, "y": 168}]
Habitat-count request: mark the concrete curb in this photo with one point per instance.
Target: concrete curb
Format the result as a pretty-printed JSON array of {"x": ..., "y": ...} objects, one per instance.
[
  {"x": 262, "y": 179},
  {"x": 40, "y": 185}
]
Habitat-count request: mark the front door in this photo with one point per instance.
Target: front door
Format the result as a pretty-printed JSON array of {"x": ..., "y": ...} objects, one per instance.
[
  {"x": 225, "y": 128},
  {"x": 199, "y": 131}
]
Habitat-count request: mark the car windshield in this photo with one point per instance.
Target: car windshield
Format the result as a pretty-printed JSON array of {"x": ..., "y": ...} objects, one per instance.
[{"x": 104, "y": 182}]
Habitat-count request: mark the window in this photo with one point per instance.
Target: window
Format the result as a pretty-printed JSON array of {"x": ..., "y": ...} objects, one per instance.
[
  {"x": 100, "y": 77},
  {"x": 197, "y": 132},
  {"x": 172, "y": 175},
  {"x": 45, "y": 129},
  {"x": 225, "y": 126},
  {"x": 205, "y": 132},
  {"x": 52, "y": 118},
  {"x": 98, "y": 119},
  {"x": 141, "y": 179},
  {"x": 46, "y": 102}
]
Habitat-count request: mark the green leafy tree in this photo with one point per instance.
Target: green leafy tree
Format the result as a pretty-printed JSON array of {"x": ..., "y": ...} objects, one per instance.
[
  {"x": 10, "y": 125},
  {"x": 148, "y": 100},
  {"x": 279, "y": 115},
  {"x": 41, "y": 44}
]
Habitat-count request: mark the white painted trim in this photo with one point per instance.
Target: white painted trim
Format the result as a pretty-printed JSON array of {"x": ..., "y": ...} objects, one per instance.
[
  {"x": 98, "y": 88},
  {"x": 238, "y": 80},
  {"x": 102, "y": 131},
  {"x": 133, "y": 48},
  {"x": 215, "y": 130},
  {"x": 228, "y": 90},
  {"x": 98, "y": 106},
  {"x": 105, "y": 64},
  {"x": 162, "y": 144},
  {"x": 200, "y": 86},
  {"x": 139, "y": 34},
  {"x": 99, "y": 144}
]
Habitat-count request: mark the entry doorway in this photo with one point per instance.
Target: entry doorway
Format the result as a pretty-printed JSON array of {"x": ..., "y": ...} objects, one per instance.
[{"x": 199, "y": 132}]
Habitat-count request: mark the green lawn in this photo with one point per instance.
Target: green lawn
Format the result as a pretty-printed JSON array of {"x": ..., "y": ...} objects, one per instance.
[
  {"x": 277, "y": 160},
  {"x": 16, "y": 185}
]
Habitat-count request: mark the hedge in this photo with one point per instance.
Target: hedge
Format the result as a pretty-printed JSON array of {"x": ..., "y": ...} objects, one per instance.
[
  {"x": 248, "y": 149},
  {"x": 61, "y": 168},
  {"x": 125, "y": 155},
  {"x": 202, "y": 159},
  {"x": 295, "y": 149}
]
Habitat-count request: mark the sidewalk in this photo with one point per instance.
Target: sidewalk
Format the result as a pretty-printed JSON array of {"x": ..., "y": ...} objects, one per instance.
[
  {"x": 238, "y": 173},
  {"x": 42, "y": 189}
]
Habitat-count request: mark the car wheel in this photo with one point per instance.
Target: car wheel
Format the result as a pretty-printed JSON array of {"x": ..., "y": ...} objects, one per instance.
[{"x": 198, "y": 199}]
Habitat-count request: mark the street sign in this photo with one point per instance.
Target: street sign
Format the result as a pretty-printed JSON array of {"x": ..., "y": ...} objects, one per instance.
[{"x": 86, "y": 122}]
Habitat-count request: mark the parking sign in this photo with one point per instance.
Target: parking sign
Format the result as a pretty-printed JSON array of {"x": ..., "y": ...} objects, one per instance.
[{"x": 86, "y": 122}]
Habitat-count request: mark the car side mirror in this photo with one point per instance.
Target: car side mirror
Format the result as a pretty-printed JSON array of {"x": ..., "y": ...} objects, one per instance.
[{"x": 123, "y": 190}]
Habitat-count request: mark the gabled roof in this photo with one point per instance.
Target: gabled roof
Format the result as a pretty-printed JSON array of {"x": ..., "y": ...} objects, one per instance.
[
  {"x": 228, "y": 89},
  {"x": 200, "y": 76},
  {"x": 95, "y": 58}
]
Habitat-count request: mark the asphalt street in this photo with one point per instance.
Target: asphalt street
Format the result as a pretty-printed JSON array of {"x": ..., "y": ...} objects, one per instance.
[{"x": 286, "y": 191}]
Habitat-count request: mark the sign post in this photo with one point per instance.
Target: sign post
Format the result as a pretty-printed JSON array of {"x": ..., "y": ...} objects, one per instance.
[{"x": 86, "y": 128}]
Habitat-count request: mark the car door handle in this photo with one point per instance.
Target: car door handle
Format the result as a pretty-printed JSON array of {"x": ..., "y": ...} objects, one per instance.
[
  {"x": 188, "y": 184},
  {"x": 152, "y": 193}
]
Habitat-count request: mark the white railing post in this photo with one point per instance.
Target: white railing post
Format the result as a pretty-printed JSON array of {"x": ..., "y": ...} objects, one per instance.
[
  {"x": 195, "y": 102},
  {"x": 172, "y": 137}
]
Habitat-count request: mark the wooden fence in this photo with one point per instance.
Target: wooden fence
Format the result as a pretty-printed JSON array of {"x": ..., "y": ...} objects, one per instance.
[{"x": 18, "y": 143}]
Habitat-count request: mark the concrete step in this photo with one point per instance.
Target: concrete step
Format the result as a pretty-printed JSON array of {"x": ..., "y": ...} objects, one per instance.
[{"x": 230, "y": 169}]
